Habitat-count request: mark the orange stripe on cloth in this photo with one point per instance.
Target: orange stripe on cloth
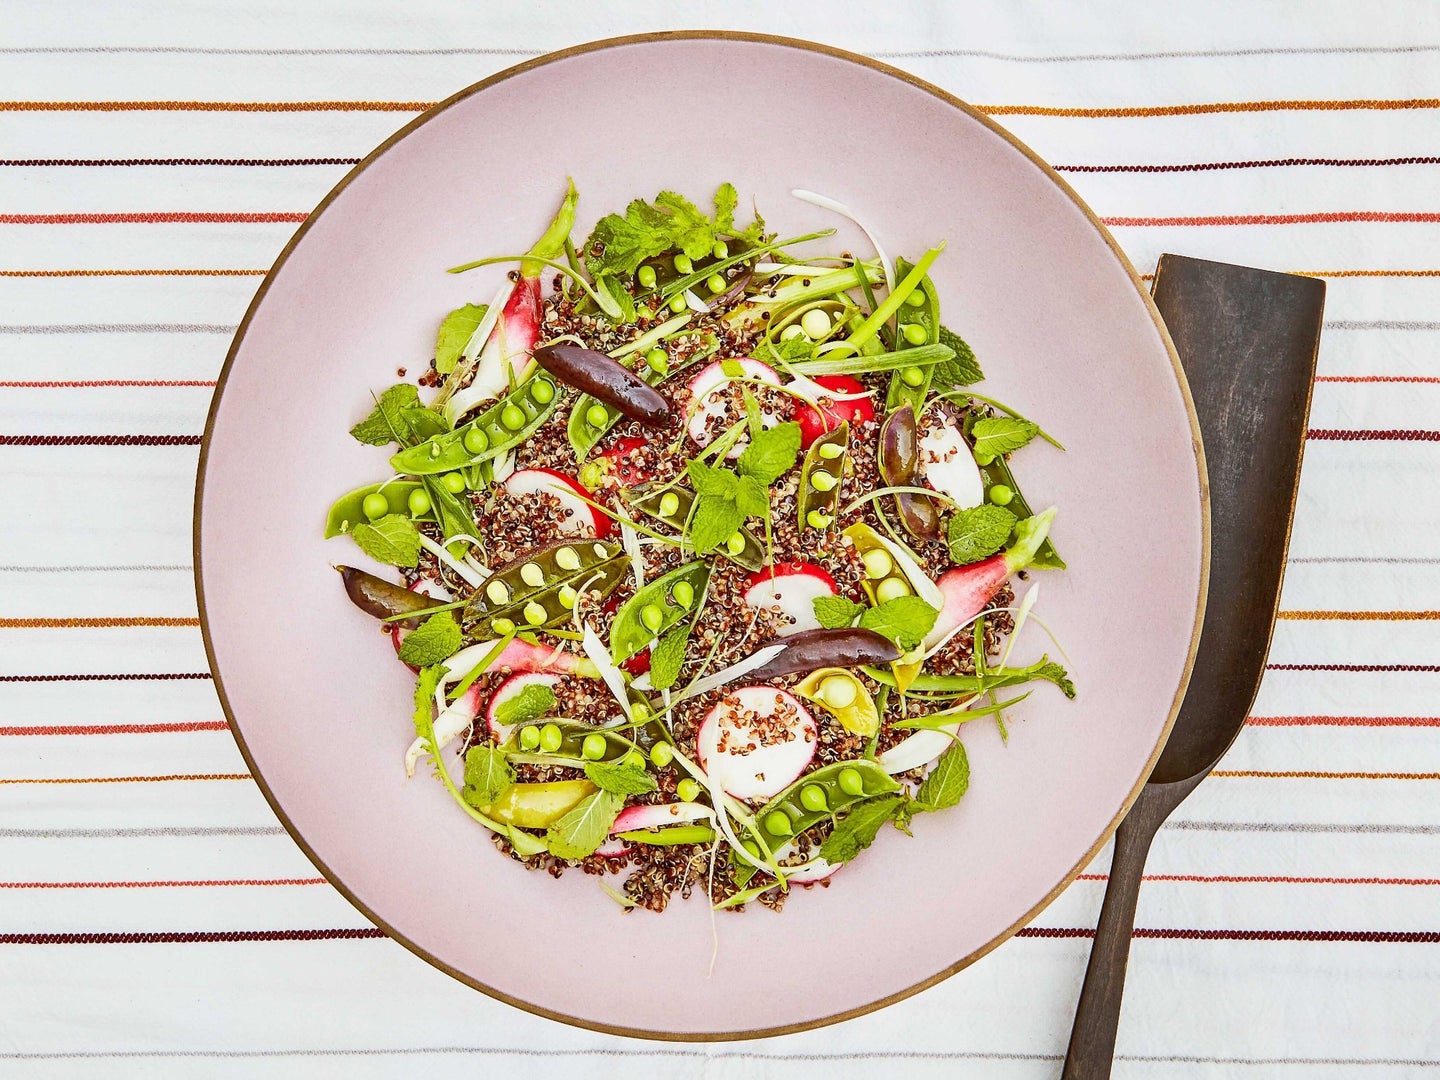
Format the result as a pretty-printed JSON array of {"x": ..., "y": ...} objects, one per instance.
[
  {"x": 168, "y": 778},
  {"x": 102, "y": 622},
  {"x": 1359, "y": 616},
  {"x": 1319, "y": 217},
  {"x": 183, "y": 884},
  {"x": 215, "y": 106},
  {"x": 1282, "y": 774},
  {"x": 157, "y": 217},
  {"x": 1212, "y": 107}
]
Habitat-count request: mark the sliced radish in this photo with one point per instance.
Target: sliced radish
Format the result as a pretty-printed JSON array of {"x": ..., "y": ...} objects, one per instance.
[
  {"x": 967, "y": 589},
  {"x": 706, "y": 401},
  {"x": 620, "y": 462},
  {"x": 453, "y": 722},
  {"x": 425, "y": 587},
  {"x": 634, "y": 818},
  {"x": 511, "y": 688},
  {"x": 948, "y": 466},
  {"x": 791, "y": 588},
  {"x": 816, "y": 422},
  {"x": 919, "y": 748},
  {"x": 612, "y": 846},
  {"x": 519, "y": 656},
  {"x": 817, "y": 869},
  {"x": 756, "y": 741},
  {"x": 581, "y": 519}
]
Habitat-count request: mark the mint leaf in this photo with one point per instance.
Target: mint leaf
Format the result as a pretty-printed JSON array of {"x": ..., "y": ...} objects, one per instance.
[
  {"x": 423, "y": 423},
  {"x": 961, "y": 369},
  {"x": 434, "y": 640},
  {"x": 455, "y": 332},
  {"x": 583, "y": 829},
  {"x": 623, "y": 301},
  {"x": 752, "y": 498},
  {"x": 836, "y": 612},
  {"x": 978, "y": 532},
  {"x": 755, "y": 420},
  {"x": 533, "y": 701},
  {"x": 857, "y": 830},
  {"x": 905, "y": 620},
  {"x": 1052, "y": 672},
  {"x": 772, "y": 453},
  {"x": 947, "y": 782},
  {"x": 620, "y": 779},
  {"x": 487, "y": 774},
  {"x": 646, "y": 230},
  {"x": 996, "y": 435},
  {"x": 713, "y": 521},
  {"x": 708, "y": 480},
  {"x": 798, "y": 347},
  {"x": 667, "y": 656},
  {"x": 392, "y": 540},
  {"x": 385, "y": 424}
]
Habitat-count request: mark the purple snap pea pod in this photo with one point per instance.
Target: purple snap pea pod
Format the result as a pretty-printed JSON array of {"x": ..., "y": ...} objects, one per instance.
[
  {"x": 811, "y": 650},
  {"x": 602, "y": 378},
  {"x": 899, "y": 463},
  {"x": 384, "y": 599}
]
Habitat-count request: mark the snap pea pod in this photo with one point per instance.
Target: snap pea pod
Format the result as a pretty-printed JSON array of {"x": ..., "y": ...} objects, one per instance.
[
  {"x": 591, "y": 418},
  {"x": 845, "y": 696},
  {"x": 998, "y": 472},
  {"x": 910, "y": 385},
  {"x": 899, "y": 461},
  {"x": 883, "y": 579},
  {"x": 820, "y": 476},
  {"x": 537, "y": 805},
  {"x": 541, "y": 589},
  {"x": 672, "y": 834},
  {"x": 506, "y": 423},
  {"x": 348, "y": 510},
  {"x": 673, "y": 508},
  {"x": 656, "y": 608},
  {"x": 453, "y": 512},
  {"x": 384, "y": 599},
  {"x": 823, "y": 793},
  {"x": 573, "y": 733}
]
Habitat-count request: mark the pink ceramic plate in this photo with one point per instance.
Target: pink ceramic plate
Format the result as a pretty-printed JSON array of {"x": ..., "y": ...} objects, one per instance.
[{"x": 1030, "y": 278}]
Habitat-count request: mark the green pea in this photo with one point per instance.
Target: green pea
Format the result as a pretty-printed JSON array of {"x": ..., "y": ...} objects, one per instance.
[
  {"x": 550, "y": 738},
  {"x": 812, "y": 797},
  {"x": 476, "y": 441},
  {"x": 891, "y": 588},
  {"x": 851, "y": 782},
  {"x": 716, "y": 283},
  {"x": 915, "y": 333},
  {"x": 1001, "y": 494},
  {"x": 878, "y": 563},
  {"x": 658, "y": 361},
  {"x": 916, "y": 299},
  {"x": 535, "y": 613},
  {"x": 375, "y": 505},
  {"x": 529, "y": 737},
  {"x": 683, "y": 265},
  {"x": 669, "y": 504},
  {"x": 542, "y": 392},
  {"x": 592, "y": 475},
  {"x": 683, "y": 593},
  {"x": 677, "y": 303},
  {"x": 720, "y": 250},
  {"x": 912, "y": 376},
  {"x": 818, "y": 519},
  {"x": 502, "y": 626},
  {"x": 635, "y": 759},
  {"x": 736, "y": 544},
  {"x": 815, "y": 322},
  {"x": 751, "y": 847},
  {"x": 597, "y": 416},
  {"x": 688, "y": 790},
  {"x": 513, "y": 417},
  {"x": 418, "y": 502},
  {"x": 593, "y": 747},
  {"x": 640, "y": 710},
  {"x": 822, "y": 481},
  {"x": 652, "y": 616},
  {"x": 454, "y": 482},
  {"x": 567, "y": 596},
  {"x": 778, "y": 823},
  {"x": 662, "y": 754},
  {"x": 831, "y": 450},
  {"x": 646, "y": 276}
]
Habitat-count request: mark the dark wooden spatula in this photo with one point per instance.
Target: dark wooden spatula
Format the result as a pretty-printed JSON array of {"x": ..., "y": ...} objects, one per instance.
[{"x": 1247, "y": 340}]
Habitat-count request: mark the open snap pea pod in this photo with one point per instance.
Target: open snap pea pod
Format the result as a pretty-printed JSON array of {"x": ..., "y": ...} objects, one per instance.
[
  {"x": 673, "y": 508},
  {"x": 539, "y": 805},
  {"x": 349, "y": 510},
  {"x": 916, "y": 324},
  {"x": 998, "y": 472},
  {"x": 541, "y": 588},
  {"x": 883, "y": 580},
  {"x": 820, "y": 476},
  {"x": 822, "y": 793},
  {"x": 506, "y": 423},
  {"x": 845, "y": 696},
  {"x": 571, "y": 742},
  {"x": 656, "y": 608},
  {"x": 899, "y": 460}
]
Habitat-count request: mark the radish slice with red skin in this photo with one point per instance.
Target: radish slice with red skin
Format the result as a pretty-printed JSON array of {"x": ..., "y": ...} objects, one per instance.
[
  {"x": 792, "y": 588},
  {"x": 621, "y": 467},
  {"x": 506, "y": 351},
  {"x": 704, "y": 405},
  {"x": 756, "y": 741},
  {"x": 848, "y": 401},
  {"x": 611, "y": 847},
  {"x": 658, "y": 816},
  {"x": 583, "y": 520},
  {"x": 508, "y": 689},
  {"x": 966, "y": 590},
  {"x": 946, "y": 463},
  {"x": 453, "y": 722},
  {"x": 519, "y": 656}
]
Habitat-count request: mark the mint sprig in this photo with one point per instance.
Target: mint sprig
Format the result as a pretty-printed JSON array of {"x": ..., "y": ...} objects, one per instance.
[
  {"x": 437, "y": 638},
  {"x": 905, "y": 620},
  {"x": 393, "y": 540},
  {"x": 978, "y": 532}
]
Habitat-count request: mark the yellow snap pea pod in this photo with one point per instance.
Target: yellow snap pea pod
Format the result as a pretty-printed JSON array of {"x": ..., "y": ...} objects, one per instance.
[
  {"x": 845, "y": 697},
  {"x": 538, "y": 806}
]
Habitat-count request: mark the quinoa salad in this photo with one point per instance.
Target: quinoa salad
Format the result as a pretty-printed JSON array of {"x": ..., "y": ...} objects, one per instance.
[{"x": 704, "y": 552}]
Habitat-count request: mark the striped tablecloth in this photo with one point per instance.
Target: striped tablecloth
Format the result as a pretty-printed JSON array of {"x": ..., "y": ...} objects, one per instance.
[{"x": 155, "y": 921}]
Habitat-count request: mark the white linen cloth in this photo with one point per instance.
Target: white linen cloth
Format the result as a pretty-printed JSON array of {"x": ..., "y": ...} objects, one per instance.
[{"x": 1325, "y": 820}]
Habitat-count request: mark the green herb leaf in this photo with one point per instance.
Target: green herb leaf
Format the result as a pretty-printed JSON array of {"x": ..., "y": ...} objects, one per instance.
[
  {"x": 732, "y": 368},
  {"x": 583, "y": 829},
  {"x": 754, "y": 418},
  {"x": 798, "y": 347},
  {"x": 648, "y": 230},
  {"x": 772, "y": 453},
  {"x": 624, "y": 303},
  {"x": 836, "y": 612},
  {"x": 487, "y": 774},
  {"x": 1051, "y": 672},
  {"x": 425, "y": 688},
  {"x": 726, "y": 199},
  {"x": 709, "y": 480},
  {"x": 619, "y": 778},
  {"x": 978, "y": 532},
  {"x": 857, "y": 830},
  {"x": 752, "y": 498},
  {"x": 690, "y": 230},
  {"x": 947, "y": 782},
  {"x": 713, "y": 521},
  {"x": 667, "y": 656},
  {"x": 961, "y": 369},
  {"x": 392, "y": 540},
  {"x": 533, "y": 701},
  {"x": 434, "y": 640},
  {"x": 424, "y": 423},
  {"x": 905, "y": 620},
  {"x": 996, "y": 435},
  {"x": 385, "y": 424},
  {"x": 455, "y": 333}
]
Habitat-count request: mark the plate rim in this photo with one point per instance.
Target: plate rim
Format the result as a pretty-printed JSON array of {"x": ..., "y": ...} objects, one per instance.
[{"x": 597, "y": 45}]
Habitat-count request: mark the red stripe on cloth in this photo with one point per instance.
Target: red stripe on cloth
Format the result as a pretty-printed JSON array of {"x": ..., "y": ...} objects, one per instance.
[
  {"x": 116, "y": 729},
  {"x": 1265, "y": 163},
  {"x": 163, "y": 676},
  {"x": 1352, "y": 667},
  {"x": 1378, "y": 378},
  {"x": 169, "y": 937},
  {"x": 1270, "y": 879},
  {"x": 97, "y": 622},
  {"x": 215, "y": 106},
  {"x": 184, "y": 884},
  {"x": 99, "y": 440},
  {"x": 178, "y": 161},
  {"x": 1419, "y": 937},
  {"x": 1344, "y": 721},
  {"x": 76, "y": 384},
  {"x": 1373, "y": 435},
  {"x": 1317, "y": 218},
  {"x": 198, "y": 272},
  {"x": 156, "y": 217}
]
